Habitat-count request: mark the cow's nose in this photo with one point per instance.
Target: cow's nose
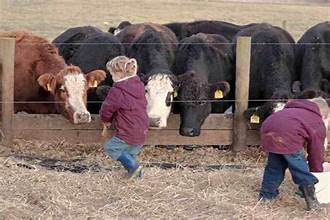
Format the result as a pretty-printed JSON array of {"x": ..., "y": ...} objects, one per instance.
[
  {"x": 82, "y": 117},
  {"x": 190, "y": 132},
  {"x": 154, "y": 122}
]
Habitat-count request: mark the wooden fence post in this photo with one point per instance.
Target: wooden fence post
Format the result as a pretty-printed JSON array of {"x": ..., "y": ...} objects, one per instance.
[
  {"x": 243, "y": 57},
  {"x": 7, "y": 56}
]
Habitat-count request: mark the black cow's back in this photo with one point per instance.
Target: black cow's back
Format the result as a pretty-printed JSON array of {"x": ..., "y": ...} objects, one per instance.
[
  {"x": 272, "y": 62},
  {"x": 313, "y": 57}
]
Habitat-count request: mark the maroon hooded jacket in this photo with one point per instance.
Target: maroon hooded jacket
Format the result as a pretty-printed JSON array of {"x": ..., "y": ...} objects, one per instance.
[
  {"x": 125, "y": 107},
  {"x": 286, "y": 132}
]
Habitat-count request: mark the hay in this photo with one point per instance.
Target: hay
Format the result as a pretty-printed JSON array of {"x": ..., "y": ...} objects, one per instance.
[{"x": 161, "y": 194}]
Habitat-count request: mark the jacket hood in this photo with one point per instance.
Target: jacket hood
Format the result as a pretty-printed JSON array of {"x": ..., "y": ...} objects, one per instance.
[
  {"x": 305, "y": 104},
  {"x": 132, "y": 86}
]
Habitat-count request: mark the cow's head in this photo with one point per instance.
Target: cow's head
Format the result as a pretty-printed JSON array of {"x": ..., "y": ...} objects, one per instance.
[
  {"x": 256, "y": 115},
  {"x": 121, "y": 26},
  {"x": 69, "y": 89},
  {"x": 160, "y": 90},
  {"x": 192, "y": 96}
]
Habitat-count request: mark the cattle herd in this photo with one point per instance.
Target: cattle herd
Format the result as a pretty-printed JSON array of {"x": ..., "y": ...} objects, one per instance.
[{"x": 188, "y": 68}]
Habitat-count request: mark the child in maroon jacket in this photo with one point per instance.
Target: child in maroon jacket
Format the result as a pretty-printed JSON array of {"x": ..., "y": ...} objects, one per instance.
[
  {"x": 125, "y": 108},
  {"x": 283, "y": 136}
]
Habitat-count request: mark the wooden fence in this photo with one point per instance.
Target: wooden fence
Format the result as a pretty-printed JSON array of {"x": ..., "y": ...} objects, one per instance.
[{"x": 217, "y": 129}]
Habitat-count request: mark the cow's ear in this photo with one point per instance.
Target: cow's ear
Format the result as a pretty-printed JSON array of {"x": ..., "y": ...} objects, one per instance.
[
  {"x": 131, "y": 66},
  {"x": 296, "y": 87},
  {"x": 219, "y": 90},
  {"x": 95, "y": 77},
  {"x": 112, "y": 30},
  {"x": 47, "y": 82}
]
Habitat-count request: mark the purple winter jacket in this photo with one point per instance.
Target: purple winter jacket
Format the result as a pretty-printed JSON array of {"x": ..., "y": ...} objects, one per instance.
[
  {"x": 286, "y": 132},
  {"x": 125, "y": 108}
]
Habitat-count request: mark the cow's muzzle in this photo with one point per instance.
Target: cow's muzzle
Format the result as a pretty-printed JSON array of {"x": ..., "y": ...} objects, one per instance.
[
  {"x": 156, "y": 123},
  {"x": 189, "y": 132},
  {"x": 81, "y": 117}
]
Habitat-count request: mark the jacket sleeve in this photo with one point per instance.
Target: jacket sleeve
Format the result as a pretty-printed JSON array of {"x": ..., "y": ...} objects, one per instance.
[
  {"x": 316, "y": 151},
  {"x": 110, "y": 105}
]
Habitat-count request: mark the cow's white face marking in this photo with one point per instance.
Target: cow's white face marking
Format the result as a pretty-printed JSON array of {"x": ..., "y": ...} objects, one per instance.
[
  {"x": 75, "y": 85},
  {"x": 117, "y": 31},
  {"x": 157, "y": 89},
  {"x": 278, "y": 106}
]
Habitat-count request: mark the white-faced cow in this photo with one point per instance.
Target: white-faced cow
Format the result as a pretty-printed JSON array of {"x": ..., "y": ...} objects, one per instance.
[
  {"x": 205, "y": 64},
  {"x": 153, "y": 46},
  {"x": 272, "y": 69},
  {"x": 46, "y": 83},
  {"x": 90, "y": 49}
]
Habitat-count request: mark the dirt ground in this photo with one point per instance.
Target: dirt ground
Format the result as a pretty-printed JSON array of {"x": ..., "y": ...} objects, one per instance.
[{"x": 29, "y": 190}]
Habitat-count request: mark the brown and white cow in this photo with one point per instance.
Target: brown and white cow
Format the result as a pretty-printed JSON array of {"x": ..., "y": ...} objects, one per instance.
[{"x": 44, "y": 84}]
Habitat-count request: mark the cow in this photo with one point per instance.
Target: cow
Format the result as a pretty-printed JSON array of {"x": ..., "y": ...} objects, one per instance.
[
  {"x": 44, "y": 84},
  {"x": 204, "y": 67},
  {"x": 272, "y": 70},
  {"x": 186, "y": 29},
  {"x": 153, "y": 46},
  {"x": 90, "y": 49},
  {"x": 313, "y": 59}
]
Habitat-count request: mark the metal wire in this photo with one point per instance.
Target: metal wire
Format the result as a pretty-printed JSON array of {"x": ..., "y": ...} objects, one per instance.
[
  {"x": 213, "y": 43},
  {"x": 174, "y": 101}
]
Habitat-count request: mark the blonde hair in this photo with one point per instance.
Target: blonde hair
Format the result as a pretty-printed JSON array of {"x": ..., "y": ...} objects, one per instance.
[
  {"x": 323, "y": 106},
  {"x": 121, "y": 67}
]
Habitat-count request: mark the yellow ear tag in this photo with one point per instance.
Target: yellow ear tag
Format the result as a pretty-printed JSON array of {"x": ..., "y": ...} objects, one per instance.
[
  {"x": 175, "y": 94},
  {"x": 255, "y": 119},
  {"x": 48, "y": 87},
  {"x": 218, "y": 94},
  {"x": 95, "y": 84}
]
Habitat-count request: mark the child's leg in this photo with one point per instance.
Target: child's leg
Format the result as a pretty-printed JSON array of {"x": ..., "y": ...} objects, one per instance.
[
  {"x": 114, "y": 147},
  {"x": 273, "y": 176},
  {"x": 134, "y": 150},
  {"x": 303, "y": 178},
  {"x": 299, "y": 169}
]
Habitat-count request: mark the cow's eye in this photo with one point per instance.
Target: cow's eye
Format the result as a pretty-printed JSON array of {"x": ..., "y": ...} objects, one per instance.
[{"x": 62, "y": 89}]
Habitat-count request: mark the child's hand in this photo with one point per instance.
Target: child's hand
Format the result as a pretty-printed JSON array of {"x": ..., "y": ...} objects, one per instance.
[{"x": 105, "y": 129}]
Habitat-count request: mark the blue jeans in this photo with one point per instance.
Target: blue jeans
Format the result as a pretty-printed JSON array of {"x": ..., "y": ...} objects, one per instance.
[
  {"x": 115, "y": 146},
  {"x": 275, "y": 171}
]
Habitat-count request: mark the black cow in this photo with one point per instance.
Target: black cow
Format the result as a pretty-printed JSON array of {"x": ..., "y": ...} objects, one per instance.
[
  {"x": 272, "y": 69},
  {"x": 313, "y": 58},
  {"x": 186, "y": 29},
  {"x": 90, "y": 49},
  {"x": 205, "y": 62},
  {"x": 153, "y": 46}
]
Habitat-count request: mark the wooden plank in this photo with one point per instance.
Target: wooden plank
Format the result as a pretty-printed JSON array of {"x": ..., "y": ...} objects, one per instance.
[
  {"x": 243, "y": 55},
  {"x": 7, "y": 57},
  {"x": 53, "y": 121},
  {"x": 155, "y": 137}
]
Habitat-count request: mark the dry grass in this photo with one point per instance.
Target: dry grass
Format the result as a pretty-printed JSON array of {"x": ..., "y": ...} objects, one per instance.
[
  {"x": 161, "y": 194},
  {"x": 50, "y": 18}
]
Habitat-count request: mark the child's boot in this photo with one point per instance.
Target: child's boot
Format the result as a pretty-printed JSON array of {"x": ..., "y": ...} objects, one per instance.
[
  {"x": 310, "y": 197},
  {"x": 131, "y": 165}
]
